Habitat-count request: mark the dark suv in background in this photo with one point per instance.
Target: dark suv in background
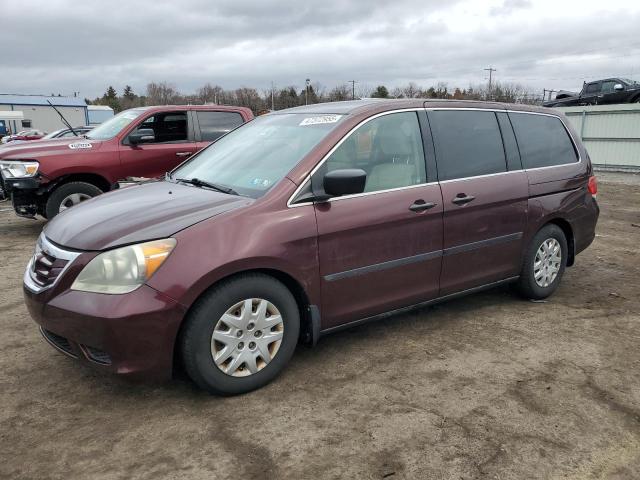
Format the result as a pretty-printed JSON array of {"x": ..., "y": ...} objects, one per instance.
[
  {"x": 306, "y": 221},
  {"x": 601, "y": 92},
  {"x": 47, "y": 177}
]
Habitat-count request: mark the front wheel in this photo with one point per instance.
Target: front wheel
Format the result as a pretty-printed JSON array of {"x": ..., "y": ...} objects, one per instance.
[
  {"x": 544, "y": 263},
  {"x": 240, "y": 335},
  {"x": 68, "y": 195}
]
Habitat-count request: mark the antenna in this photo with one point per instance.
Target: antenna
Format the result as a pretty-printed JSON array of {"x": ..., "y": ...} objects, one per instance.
[{"x": 64, "y": 120}]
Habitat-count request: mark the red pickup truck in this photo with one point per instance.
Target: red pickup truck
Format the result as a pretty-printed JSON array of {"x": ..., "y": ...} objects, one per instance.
[{"x": 48, "y": 177}]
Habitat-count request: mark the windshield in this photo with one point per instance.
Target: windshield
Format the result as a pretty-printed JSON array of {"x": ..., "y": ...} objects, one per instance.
[
  {"x": 114, "y": 125},
  {"x": 53, "y": 134},
  {"x": 256, "y": 156},
  {"x": 629, "y": 81}
]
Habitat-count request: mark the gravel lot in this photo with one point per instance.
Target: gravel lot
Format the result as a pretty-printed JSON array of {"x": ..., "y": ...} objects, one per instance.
[{"x": 489, "y": 386}]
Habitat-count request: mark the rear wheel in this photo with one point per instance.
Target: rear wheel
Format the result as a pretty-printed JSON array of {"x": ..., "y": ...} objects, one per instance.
[
  {"x": 69, "y": 195},
  {"x": 544, "y": 263},
  {"x": 240, "y": 335}
]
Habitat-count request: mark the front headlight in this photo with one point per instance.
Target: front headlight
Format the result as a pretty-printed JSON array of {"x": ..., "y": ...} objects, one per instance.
[
  {"x": 18, "y": 169},
  {"x": 124, "y": 269}
]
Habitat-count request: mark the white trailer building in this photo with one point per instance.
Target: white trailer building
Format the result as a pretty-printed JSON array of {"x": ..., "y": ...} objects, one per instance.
[{"x": 38, "y": 114}]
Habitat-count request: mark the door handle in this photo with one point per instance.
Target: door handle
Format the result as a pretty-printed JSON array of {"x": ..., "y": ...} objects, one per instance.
[
  {"x": 463, "y": 199},
  {"x": 421, "y": 206},
  {"x": 183, "y": 154}
]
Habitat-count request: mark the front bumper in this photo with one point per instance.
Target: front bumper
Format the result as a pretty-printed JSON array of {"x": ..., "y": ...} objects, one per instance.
[
  {"x": 23, "y": 193},
  {"x": 132, "y": 334}
]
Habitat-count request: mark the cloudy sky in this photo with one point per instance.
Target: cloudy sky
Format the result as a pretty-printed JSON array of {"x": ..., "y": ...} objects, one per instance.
[{"x": 64, "y": 46}]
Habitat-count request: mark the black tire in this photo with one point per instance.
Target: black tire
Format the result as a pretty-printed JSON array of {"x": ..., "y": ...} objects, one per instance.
[
  {"x": 52, "y": 207},
  {"x": 195, "y": 338},
  {"x": 527, "y": 285}
]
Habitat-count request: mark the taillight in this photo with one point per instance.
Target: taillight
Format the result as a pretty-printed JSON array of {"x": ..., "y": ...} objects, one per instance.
[{"x": 592, "y": 186}]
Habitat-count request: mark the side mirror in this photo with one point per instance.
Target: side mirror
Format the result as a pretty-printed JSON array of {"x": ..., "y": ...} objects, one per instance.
[
  {"x": 142, "y": 135},
  {"x": 344, "y": 182},
  {"x": 618, "y": 87}
]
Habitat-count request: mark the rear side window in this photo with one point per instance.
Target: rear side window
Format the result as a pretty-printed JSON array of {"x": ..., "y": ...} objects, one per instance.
[
  {"x": 593, "y": 88},
  {"x": 215, "y": 124},
  {"x": 543, "y": 140},
  {"x": 468, "y": 143}
]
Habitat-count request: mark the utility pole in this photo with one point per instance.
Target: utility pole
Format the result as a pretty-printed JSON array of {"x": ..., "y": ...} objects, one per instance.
[
  {"x": 272, "y": 102},
  {"x": 490, "y": 70},
  {"x": 307, "y": 82},
  {"x": 353, "y": 89}
]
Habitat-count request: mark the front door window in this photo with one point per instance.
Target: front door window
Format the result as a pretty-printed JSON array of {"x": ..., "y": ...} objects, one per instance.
[{"x": 388, "y": 148}]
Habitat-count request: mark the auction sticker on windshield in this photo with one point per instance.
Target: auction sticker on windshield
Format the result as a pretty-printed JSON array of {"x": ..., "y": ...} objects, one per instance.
[{"x": 320, "y": 119}]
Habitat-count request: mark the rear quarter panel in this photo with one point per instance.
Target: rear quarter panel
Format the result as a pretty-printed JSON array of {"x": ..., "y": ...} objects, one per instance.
[{"x": 560, "y": 193}]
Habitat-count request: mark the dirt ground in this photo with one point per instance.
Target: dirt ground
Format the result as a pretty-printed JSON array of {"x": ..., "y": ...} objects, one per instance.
[{"x": 489, "y": 386}]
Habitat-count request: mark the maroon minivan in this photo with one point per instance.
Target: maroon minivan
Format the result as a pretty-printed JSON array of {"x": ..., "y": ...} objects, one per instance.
[{"x": 308, "y": 220}]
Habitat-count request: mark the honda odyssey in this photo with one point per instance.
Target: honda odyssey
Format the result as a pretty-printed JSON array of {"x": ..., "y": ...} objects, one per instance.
[{"x": 308, "y": 220}]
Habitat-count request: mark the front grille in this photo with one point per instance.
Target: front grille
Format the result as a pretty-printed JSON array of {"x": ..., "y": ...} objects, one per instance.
[
  {"x": 47, "y": 265},
  {"x": 57, "y": 341},
  {"x": 46, "y": 268},
  {"x": 97, "y": 355}
]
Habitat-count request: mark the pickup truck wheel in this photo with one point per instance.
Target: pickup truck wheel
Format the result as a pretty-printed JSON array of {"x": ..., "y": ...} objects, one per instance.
[
  {"x": 68, "y": 195},
  {"x": 240, "y": 335}
]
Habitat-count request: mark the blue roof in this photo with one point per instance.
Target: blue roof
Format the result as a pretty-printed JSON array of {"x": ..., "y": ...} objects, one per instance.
[{"x": 8, "y": 99}]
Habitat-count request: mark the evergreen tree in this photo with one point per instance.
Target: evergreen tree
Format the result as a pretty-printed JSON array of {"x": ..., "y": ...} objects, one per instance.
[
  {"x": 110, "y": 98},
  {"x": 380, "y": 92},
  {"x": 128, "y": 93}
]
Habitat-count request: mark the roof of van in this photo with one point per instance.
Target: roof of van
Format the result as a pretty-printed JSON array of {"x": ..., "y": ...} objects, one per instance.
[{"x": 382, "y": 104}]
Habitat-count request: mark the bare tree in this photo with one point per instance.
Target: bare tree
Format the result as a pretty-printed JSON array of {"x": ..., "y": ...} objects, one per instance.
[
  {"x": 503, "y": 92},
  {"x": 411, "y": 90},
  {"x": 339, "y": 93},
  {"x": 249, "y": 97},
  {"x": 161, "y": 93},
  {"x": 209, "y": 93}
]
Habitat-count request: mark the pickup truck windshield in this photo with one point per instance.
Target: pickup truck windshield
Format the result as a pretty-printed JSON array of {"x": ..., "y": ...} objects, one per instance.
[
  {"x": 254, "y": 157},
  {"x": 114, "y": 125}
]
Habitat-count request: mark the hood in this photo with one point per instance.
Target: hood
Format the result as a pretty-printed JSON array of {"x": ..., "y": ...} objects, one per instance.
[
  {"x": 137, "y": 214},
  {"x": 35, "y": 149}
]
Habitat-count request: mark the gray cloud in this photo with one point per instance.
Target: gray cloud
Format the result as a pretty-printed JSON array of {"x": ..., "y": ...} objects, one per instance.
[
  {"x": 509, "y": 6},
  {"x": 64, "y": 46}
]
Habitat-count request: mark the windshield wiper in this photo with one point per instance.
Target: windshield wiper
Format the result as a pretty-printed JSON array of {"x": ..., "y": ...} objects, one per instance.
[{"x": 196, "y": 182}]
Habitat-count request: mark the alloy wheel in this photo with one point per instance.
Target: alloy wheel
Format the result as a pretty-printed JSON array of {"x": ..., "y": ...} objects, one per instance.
[{"x": 71, "y": 200}]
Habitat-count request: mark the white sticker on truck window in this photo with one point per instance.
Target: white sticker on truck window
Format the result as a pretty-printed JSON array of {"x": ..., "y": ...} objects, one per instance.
[
  {"x": 320, "y": 119},
  {"x": 78, "y": 145}
]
